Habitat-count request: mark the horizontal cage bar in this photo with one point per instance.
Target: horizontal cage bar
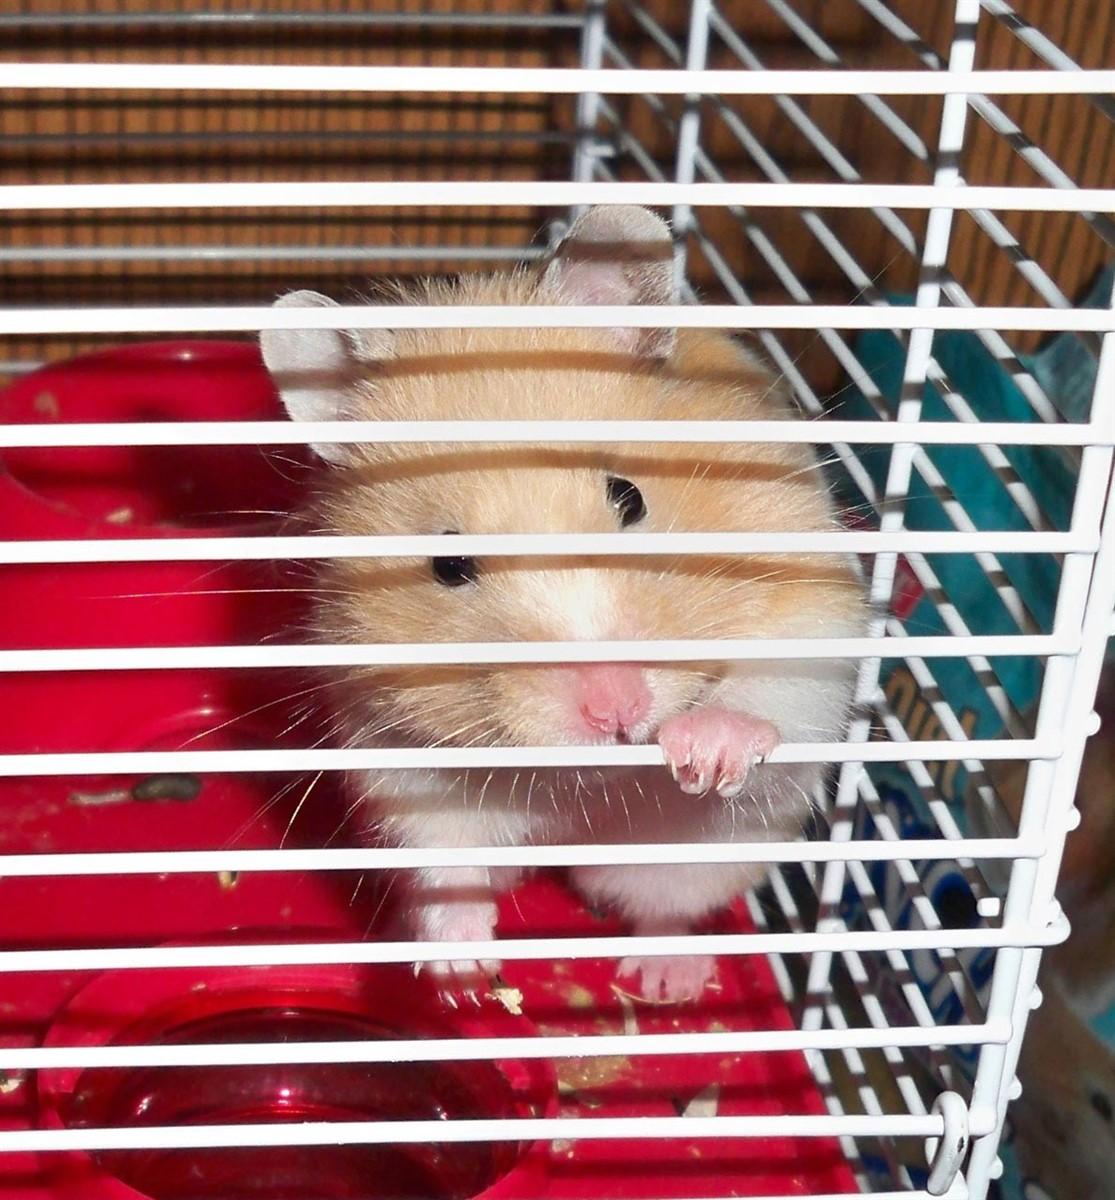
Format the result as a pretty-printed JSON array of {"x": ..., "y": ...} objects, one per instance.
[
  {"x": 128, "y": 958},
  {"x": 235, "y": 21},
  {"x": 146, "y": 658},
  {"x": 332, "y": 1133},
  {"x": 177, "y": 862},
  {"x": 778, "y": 432},
  {"x": 268, "y": 254},
  {"x": 760, "y": 1041},
  {"x": 251, "y": 77},
  {"x": 525, "y": 545},
  {"x": 399, "y": 193},
  {"x": 158, "y": 762},
  {"x": 251, "y": 319}
]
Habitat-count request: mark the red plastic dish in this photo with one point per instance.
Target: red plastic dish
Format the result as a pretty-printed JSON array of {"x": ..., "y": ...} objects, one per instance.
[
  {"x": 83, "y": 493},
  {"x": 314, "y": 1003}
]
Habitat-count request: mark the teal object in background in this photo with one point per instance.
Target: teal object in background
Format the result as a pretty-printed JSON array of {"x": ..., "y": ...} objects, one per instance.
[{"x": 1066, "y": 368}]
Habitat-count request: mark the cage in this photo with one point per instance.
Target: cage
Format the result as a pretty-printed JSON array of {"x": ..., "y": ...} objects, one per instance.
[{"x": 908, "y": 209}]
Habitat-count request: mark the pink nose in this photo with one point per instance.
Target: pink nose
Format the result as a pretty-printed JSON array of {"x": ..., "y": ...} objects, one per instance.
[{"x": 612, "y": 697}]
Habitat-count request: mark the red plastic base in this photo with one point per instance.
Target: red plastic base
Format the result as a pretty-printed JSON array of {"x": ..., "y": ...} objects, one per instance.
[{"x": 83, "y": 494}]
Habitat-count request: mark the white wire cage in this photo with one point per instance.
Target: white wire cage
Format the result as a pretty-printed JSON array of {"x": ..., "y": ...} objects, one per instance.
[{"x": 168, "y": 171}]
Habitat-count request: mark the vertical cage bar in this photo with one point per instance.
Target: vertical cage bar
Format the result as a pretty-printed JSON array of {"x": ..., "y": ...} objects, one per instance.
[
  {"x": 689, "y": 129},
  {"x": 918, "y": 354},
  {"x": 593, "y": 32},
  {"x": 1085, "y": 601}
]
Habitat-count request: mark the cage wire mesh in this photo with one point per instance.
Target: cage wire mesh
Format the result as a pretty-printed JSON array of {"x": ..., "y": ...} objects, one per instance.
[{"x": 909, "y": 971}]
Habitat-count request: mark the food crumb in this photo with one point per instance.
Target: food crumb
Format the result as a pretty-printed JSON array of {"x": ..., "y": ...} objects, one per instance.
[
  {"x": 579, "y": 997},
  {"x": 96, "y": 799},
  {"x": 10, "y": 1081},
  {"x": 46, "y": 405},
  {"x": 510, "y": 997},
  {"x": 582, "y": 1074},
  {"x": 705, "y": 1103}
]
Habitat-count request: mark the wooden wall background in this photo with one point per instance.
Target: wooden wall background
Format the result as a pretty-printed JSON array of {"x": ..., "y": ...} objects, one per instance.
[{"x": 105, "y": 137}]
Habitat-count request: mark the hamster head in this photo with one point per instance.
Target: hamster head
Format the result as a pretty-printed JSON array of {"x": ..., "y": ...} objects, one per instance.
[{"x": 611, "y": 256}]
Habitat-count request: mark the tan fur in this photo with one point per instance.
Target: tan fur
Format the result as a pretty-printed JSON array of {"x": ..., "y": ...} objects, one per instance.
[
  {"x": 579, "y": 375},
  {"x": 568, "y": 375}
]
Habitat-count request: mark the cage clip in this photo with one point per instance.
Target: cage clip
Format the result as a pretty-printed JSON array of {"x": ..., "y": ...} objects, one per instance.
[{"x": 946, "y": 1153}]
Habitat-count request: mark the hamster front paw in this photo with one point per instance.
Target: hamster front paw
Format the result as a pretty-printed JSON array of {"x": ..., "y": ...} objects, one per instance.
[
  {"x": 459, "y": 922},
  {"x": 715, "y": 748},
  {"x": 670, "y": 980},
  {"x": 462, "y": 979}
]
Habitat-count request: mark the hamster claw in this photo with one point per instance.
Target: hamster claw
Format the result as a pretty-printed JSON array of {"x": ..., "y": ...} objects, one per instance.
[
  {"x": 697, "y": 786},
  {"x": 715, "y": 747},
  {"x": 459, "y": 979},
  {"x": 464, "y": 981},
  {"x": 677, "y": 980}
]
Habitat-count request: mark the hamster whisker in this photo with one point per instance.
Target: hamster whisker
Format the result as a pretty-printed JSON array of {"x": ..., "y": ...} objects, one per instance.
[
  {"x": 247, "y": 591},
  {"x": 579, "y": 796},
  {"x": 298, "y": 807},
  {"x": 262, "y": 811},
  {"x": 530, "y": 791},
  {"x": 820, "y": 464},
  {"x": 371, "y": 924},
  {"x": 700, "y": 471},
  {"x": 346, "y": 816},
  {"x": 623, "y": 801},
  {"x": 372, "y": 730},
  {"x": 255, "y": 512},
  {"x": 484, "y": 791}
]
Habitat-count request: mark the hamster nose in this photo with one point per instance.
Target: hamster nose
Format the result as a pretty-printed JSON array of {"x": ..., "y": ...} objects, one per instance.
[{"x": 613, "y": 698}]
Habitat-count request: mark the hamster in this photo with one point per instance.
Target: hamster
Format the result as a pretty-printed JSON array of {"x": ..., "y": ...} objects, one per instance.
[{"x": 714, "y": 721}]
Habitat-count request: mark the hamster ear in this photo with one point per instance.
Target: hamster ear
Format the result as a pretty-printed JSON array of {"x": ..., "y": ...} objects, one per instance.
[
  {"x": 618, "y": 254},
  {"x": 314, "y": 369}
]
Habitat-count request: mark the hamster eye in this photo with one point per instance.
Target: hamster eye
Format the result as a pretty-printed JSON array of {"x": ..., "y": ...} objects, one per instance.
[
  {"x": 454, "y": 572},
  {"x": 627, "y": 500}
]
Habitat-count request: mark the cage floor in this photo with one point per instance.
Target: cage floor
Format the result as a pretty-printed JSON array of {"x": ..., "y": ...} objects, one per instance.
[{"x": 564, "y": 997}]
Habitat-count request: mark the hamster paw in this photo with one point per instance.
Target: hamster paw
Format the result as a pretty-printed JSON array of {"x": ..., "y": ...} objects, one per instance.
[
  {"x": 670, "y": 980},
  {"x": 463, "y": 979},
  {"x": 459, "y": 979},
  {"x": 714, "y": 748}
]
